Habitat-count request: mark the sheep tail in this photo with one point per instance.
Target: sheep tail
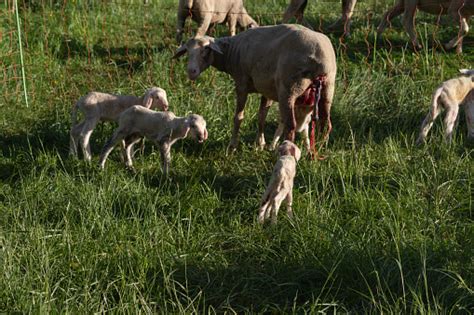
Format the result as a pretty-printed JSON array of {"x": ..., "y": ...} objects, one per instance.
[{"x": 434, "y": 101}]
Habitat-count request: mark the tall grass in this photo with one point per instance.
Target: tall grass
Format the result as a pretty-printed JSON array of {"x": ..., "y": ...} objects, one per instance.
[{"x": 381, "y": 226}]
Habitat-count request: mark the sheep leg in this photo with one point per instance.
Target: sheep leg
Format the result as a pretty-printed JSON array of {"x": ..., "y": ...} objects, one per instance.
[
  {"x": 74, "y": 138},
  {"x": 393, "y": 12},
  {"x": 118, "y": 135},
  {"x": 262, "y": 212},
  {"x": 238, "y": 117},
  {"x": 454, "y": 11},
  {"x": 409, "y": 23},
  {"x": 450, "y": 120},
  {"x": 287, "y": 116},
  {"x": 305, "y": 136},
  {"x": 232, "y": 23},
  {"x": 289, "y": 203},
  {"x": 276, "y": 137},
  {"x": 202, "y": 29},
  {"x": 265, "y": 104},
  {"x": 85, "y": 135},
  {"x": 469, "y": 112},
  {"x": 275, "y": 206},
  {"x": 296, "y": 9},
  {"x": 182, "y": 15},
  {"x": 165, "y": 152},
  {"x": 344, "y": 21},
  {"x": 327, "y": 94},
  {"x": 428, "y": 121},
  {"x": 129, "y": 143}
]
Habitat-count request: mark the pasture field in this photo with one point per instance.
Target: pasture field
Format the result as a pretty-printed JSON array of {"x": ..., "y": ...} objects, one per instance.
[{"x": 381, "y": 226}]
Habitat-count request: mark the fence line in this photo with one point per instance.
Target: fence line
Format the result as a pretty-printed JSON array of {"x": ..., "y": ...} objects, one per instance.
[{"x": 118, "y": 42}]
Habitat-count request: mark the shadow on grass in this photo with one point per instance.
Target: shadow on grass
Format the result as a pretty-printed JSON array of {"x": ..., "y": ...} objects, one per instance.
[
  {"x": 132, "y": 56},
  {"x": 343, "y": 279}
]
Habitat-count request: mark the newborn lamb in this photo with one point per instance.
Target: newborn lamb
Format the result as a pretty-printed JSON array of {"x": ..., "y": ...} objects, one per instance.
[
  {"x": 163, "y": 128},
  {"x": 281, "y": 183},
  {"x": 98, "y": 107}
]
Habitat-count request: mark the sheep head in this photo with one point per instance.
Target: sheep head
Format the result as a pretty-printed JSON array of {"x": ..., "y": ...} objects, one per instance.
[
  {"x": 156, "y": 97},
  {"x": 200, "y": 54},
  {"x": 196, "y": 127}
]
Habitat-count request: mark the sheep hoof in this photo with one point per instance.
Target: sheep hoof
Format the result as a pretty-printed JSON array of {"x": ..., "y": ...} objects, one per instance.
[
  {"x": 231, "y": 149},
  {"x": 420, "y": 142},
  {"x": 131, "y": 169}
]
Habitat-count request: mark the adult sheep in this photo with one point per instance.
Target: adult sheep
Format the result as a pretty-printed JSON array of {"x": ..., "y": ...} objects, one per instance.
[
  {"x": 460, "y": 10},
  {"x": 207, "y": 12},
  {"x": 280, "y": 62}
]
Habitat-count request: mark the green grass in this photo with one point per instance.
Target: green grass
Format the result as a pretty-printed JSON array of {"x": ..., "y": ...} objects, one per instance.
[{"x": 381, "y": 226}]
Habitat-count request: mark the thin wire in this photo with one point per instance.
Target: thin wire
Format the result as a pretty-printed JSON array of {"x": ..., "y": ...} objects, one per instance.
[{"x": 21, "y": 53}]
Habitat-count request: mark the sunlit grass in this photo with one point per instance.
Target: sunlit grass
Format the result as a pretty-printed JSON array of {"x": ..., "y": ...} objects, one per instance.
[{"x": 381, "y": 226}]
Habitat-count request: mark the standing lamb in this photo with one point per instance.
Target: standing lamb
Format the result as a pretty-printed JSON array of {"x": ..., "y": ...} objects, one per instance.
[
  {"x": 206, "y": 12},
  {"x": 451, "y": 94},
  {"x": 280, "y": 62},
  {"x": 280, "y": 186},
  {"x": 163, "y": 128},
  {"x": 460, "y": 10},
  {"x": 98, "y": 107}
]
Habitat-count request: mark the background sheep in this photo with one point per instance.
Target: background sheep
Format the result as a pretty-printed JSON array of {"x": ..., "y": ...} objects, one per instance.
[
  {"x": 450, "y": 95},
  {"x": 206, "y": 12},
  {"x": 280, "y": 62},
  {"x": 460, "y": 10},
  {"x": 296, "y": 9},
  {"x": 98, "y": 107},
  {"x": 163, "y": 128},
  {"x": 280, "y": 186}
]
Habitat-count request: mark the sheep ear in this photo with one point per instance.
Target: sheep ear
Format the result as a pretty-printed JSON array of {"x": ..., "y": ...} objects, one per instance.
[
  {"x": 215, "y": 47},
  {"x": 181, "y": 51},
  {"x": 297, "y": 153},
  {"x": 147, "y": 101}
]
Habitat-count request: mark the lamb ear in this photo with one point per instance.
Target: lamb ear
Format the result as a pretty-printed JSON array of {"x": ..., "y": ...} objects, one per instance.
[
  {"x": 148, "y": 100},
  {"x": 181, "y": 51},
  {"x": 297, "y": 153}
]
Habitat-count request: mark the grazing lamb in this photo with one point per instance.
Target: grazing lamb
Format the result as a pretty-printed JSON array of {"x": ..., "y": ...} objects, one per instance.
[
  {"x": 207, "y": 12},
  {"x": 296, "y": 9},
  {"x": 281, "y": 183},
  {"x": 451, "y": 94},
  {"x": 98, "y": 107},
  {"x": 280, "y": 62},
  {"x": 163, "y": 128},
  {"x": 460, "y": 10}
]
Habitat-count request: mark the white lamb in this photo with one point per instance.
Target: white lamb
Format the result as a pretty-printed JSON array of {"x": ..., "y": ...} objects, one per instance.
[
  {"x": 98, "y": 107},
  {"x": 451, "y": 94},
  {"x": 163, "y": 128},
  {"x": 280, "y": 186}
]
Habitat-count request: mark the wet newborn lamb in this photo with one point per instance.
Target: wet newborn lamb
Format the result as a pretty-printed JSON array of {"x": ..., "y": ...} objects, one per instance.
[
  {"x": 281, "y": 184},
  {"x": 163, "y": 128},
  {"x": 451, "y": 94},
  {"x": 98, "y": 107}
]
